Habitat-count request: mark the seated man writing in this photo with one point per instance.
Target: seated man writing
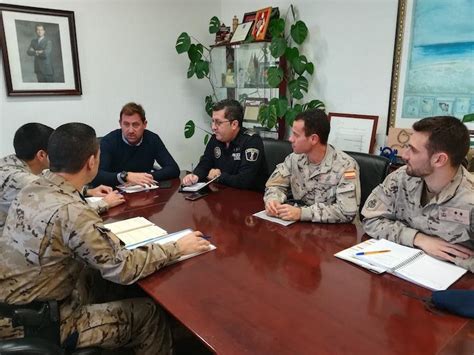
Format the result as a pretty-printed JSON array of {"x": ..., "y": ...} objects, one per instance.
[
  {"x": 233, "y": 153},
  {"x": 50, "y": 239},
  {"x": 428, "y": 203},
  {"x": 128, "y": 154},
  {"x": 325, "y": 180}
]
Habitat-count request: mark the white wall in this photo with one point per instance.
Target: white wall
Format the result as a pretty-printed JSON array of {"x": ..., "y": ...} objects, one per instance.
[
  {"x": 126, "y": 52},
  {"x": 351, "y": 45}
]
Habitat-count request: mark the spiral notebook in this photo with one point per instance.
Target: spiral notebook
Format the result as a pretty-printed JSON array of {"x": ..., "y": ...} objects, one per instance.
[{"x": 410, "y": 264}]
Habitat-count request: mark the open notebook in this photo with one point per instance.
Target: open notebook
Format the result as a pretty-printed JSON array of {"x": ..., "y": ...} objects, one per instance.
[
  {"x": 407, "y": 263},
  {"x": 135, "y": 230},
  {"x": 139, "y": 231}
]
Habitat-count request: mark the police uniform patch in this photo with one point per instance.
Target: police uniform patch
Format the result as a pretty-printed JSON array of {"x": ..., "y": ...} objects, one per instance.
[
  {"x": 217, "y": 152},
  {"x": 251, "y": 154}
]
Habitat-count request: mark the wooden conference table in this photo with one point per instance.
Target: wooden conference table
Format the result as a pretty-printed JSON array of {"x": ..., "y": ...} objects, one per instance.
[{"x": 270, "y": 289}]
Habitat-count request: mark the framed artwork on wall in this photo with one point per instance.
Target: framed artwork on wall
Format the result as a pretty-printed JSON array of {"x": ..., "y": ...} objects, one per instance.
[
  {"x": 353, "y": 132},
  {"x": 433, "y": 67},
  {"x": 39, "y": 50}
]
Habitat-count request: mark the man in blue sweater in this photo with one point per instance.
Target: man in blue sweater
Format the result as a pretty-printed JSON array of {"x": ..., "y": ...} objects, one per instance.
[{"x": 127, "y": 155}]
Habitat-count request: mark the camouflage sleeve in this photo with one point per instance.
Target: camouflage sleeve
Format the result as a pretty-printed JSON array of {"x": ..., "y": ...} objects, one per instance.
[
  {"x": 278, "y": 184},
  {"x": 346, "y": 204},
  {"x": 99, "y": 206},
  {"x": 465, "y": 263},
  {"x": 85, "y": 235},
  {"x": 380, "y": 218}
]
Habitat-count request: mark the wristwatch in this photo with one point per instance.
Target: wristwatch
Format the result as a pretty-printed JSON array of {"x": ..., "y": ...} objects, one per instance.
[{"x": 123, "y": 176}]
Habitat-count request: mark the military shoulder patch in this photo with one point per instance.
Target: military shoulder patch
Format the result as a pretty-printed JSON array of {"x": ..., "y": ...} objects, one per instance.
[{"x": 350, "y": 174}]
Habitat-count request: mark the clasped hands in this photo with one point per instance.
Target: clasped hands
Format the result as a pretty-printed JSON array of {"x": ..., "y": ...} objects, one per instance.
[{"x": 287, "y": 212}]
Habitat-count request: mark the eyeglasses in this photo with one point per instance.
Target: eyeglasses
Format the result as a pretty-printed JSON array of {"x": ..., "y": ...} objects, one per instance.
[{"x": 218, "y": 123}]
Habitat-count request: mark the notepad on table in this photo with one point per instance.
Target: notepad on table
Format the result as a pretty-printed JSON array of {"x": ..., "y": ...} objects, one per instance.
[
  {"x": 135, "y": 230},
  {"x": 197, "y": 186},
  {"x": 263, "y": 215},
  {"x": 410, "y": 264},
  {"x": 349, "y": 255},
  {"x": 136, "y": 188},
  {"x": 173, "y": 237}
]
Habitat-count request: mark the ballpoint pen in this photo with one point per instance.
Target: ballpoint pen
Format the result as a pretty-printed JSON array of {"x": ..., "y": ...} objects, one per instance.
[
  {"x": 372, "y": 252},
  {"x": 207, "y": 237}
]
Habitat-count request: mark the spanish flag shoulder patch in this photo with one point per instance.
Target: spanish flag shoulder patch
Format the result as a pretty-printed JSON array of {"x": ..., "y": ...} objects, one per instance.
[{"x": 350, "y": 174}]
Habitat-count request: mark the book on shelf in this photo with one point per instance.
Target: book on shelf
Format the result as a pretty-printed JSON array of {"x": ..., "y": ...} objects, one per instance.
[{"x": 407, "y": 263}]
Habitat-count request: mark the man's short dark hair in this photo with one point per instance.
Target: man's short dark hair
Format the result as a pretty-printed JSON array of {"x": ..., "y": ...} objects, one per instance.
[
  {"x": 446, "y": 134},
  {"x": 30, "y": 139},
  {"x": 70, "y": 146},
  {"x": 233, "y": 110},
  {"x": 315, "y": 122},
  {"x": 132, "y": 108}
]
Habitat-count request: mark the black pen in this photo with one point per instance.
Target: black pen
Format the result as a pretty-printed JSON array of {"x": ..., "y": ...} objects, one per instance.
[{"x": 207, "y": 237}]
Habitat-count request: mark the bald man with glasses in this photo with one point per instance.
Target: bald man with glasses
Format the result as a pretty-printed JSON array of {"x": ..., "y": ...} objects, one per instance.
[{"x": 234, "y": 154}]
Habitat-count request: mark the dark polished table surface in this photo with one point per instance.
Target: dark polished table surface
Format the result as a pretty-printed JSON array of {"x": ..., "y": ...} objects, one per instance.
[{"x": 270, "y": 289}]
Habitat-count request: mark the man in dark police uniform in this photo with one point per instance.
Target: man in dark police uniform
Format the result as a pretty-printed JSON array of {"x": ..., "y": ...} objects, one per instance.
[{"x": 233, "y": 153}]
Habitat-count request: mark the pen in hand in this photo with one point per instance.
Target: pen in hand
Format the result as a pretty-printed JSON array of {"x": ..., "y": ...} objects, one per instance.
[{"x": 207, "y": 237}]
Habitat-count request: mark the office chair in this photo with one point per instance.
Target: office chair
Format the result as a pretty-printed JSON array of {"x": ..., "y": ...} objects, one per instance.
[
  {"x": 373, "y": 170},
  {"x": 40, "y": 321},
  {"x": 275, "y": 152}
]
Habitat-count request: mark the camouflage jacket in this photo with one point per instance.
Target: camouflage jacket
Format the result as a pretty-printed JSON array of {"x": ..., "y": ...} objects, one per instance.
[
  {"x": 51, "y": 233},
  {"x": 14, "y": 175},
  {"x": 393, "y": 211},
  {"x": 329, "y": 190}
]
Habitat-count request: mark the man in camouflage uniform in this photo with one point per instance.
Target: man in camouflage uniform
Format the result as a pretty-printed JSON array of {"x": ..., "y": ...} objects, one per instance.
[
  {"x": 30, "y": 159},
  {"x": 323, "y": 179},
  {"x": 52, "y": 234},
  {"x": 234, "y": 153},
  {"x": 429, "y": 203}
]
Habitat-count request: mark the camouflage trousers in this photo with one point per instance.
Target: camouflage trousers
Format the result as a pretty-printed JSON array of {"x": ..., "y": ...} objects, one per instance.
[
  {"x": 101, "y": 315},
  {"x": 133, "y": 323}
]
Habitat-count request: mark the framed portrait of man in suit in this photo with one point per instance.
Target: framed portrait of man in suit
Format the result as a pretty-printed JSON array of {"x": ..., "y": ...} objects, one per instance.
[{"x": 39, "y": 50}]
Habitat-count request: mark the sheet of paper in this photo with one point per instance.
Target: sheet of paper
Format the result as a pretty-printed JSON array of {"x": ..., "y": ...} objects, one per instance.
[
  {"x": 136, "y": 188},
  {"x": 263, "y": 215},
  {"x": 193, "y": 188},
  {"x": 197, "y": 186},
  {"x": 172, "y": 237}
]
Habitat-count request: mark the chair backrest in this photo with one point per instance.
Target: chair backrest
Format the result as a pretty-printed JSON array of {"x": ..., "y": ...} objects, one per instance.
[
  {"x": 373, "y": 170},
  {"x": 275, "y": 152}
]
